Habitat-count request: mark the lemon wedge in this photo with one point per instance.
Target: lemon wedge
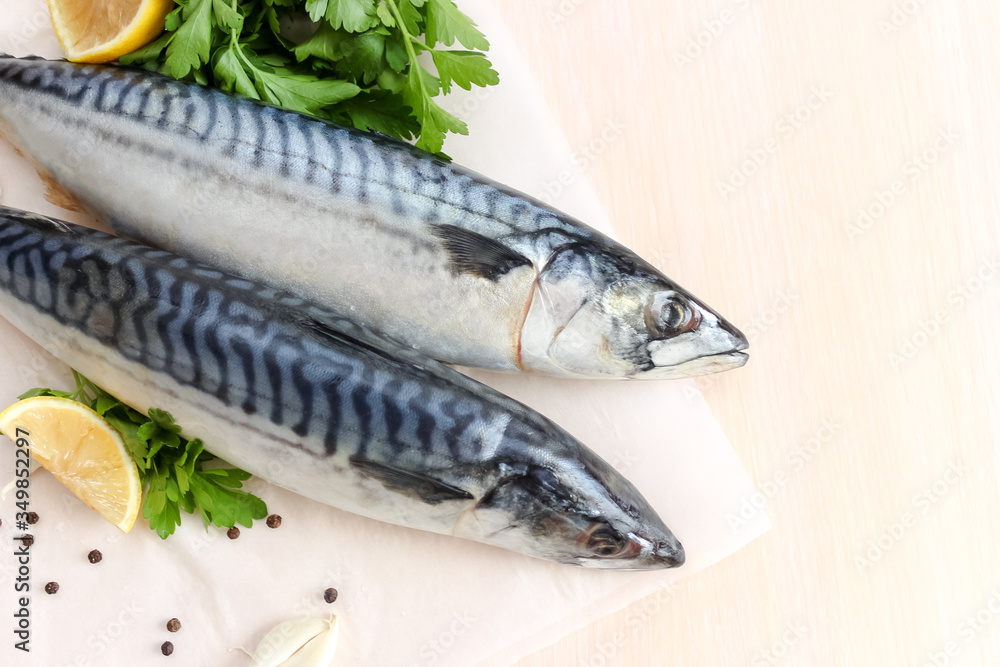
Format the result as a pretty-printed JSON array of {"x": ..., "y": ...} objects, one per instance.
[
  {"x": 82, "y": 450},
  {"x": 98, "y": 31}
]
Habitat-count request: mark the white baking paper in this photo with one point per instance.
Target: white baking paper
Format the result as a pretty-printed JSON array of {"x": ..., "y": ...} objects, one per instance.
[{"x": 405, "y": 597}]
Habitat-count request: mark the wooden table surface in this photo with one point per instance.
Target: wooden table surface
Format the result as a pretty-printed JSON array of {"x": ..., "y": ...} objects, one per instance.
[{"x": 825, "y": 174}]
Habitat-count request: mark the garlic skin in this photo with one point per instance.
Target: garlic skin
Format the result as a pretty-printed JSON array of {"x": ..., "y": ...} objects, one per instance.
[{"x": 303, "y": 641}]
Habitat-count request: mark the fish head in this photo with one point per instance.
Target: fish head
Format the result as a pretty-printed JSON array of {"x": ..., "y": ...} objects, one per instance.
[
  {"x": 580, "y": 512},
  {"x": 597, "y": 312}
]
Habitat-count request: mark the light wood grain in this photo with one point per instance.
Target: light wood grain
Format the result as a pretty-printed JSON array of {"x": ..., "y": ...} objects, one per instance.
[{"x": 802, "y": 595}]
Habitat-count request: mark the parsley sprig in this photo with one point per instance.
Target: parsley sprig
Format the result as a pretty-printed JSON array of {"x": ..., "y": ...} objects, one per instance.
[
  {"x": 172, "y": 468},
  {"x": 360, "y": 66}
]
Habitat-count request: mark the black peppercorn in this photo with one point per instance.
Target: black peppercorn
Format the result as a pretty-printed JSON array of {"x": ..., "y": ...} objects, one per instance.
[
  {"x": 95, "y": 556},
  {"x": 233, "y": 533},
  {"x": 32, "y": 518},
  {"x": 330, "y": 595},
  {"x": 167, "y": 648},
  {"x": 52, "y": 588},
  {"x": 273, "y": 521}
]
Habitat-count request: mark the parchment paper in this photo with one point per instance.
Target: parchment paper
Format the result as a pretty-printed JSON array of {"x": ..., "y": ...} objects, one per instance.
[{"x": 405, "y": 597}]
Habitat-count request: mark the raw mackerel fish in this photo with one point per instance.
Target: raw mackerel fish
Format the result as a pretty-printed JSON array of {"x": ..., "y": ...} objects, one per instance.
[
  {"x": 461, "y": 268},
  {"x": 318, "y": 405}
]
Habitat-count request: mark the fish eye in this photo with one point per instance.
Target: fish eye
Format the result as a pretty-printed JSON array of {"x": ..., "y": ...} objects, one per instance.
[
  {"x": 605, "y": 542},
  {"x": 670, "y": 314}
]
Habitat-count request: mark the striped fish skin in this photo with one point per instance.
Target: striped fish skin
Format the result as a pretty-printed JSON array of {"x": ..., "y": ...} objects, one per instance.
[
  {"x": 318, "y": 405},
  {"x": 464, "y": 269}
]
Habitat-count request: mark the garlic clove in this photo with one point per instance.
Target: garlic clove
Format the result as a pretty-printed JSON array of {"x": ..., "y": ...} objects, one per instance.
[
  {"x": 318, "y": 651},
  {"x": 287, "y": 638}
]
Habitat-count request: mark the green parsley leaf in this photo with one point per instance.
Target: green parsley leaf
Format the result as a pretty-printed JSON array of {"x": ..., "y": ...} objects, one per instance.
[
  {"x": 385, "y": 16},
  {"x": 363, "y": 57},
  {"x": 193, "y": 40},
  {"x": 45, "y": 392},
  {"x": 171, "y": 467},
  {"x": 316, "y": 9},
  {"x": 351, "y": 15},
  {"x": 326, "y": 43},
  {"x": 420, "y": 87},
  {"x": 129, "y": 431},
  {"x": 445, "y": 24},
  {"x": 175, "y": 18},
  {"x": 396, "y": 56},
  {"x": 307, "y": 94},
  {"x": 227, "y": 17},
  {"x": 377, "y": 110},
  {"x": 394, "y": 83},
  {"x": 231, "y": 76},
  {"x": 149, "y": 53},
  {"x": 413, "y": 20},
  {"x": 464, "y": 68},
  {"x": 357, "y": 65}
]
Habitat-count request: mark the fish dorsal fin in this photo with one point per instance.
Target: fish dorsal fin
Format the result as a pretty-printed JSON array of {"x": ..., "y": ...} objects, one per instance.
[
  {"x": 477, "y": 254},
  {"x": 344, "y": 332},
  {"x": 352, "y": 335},
  {"x": 422, "y": 486}
]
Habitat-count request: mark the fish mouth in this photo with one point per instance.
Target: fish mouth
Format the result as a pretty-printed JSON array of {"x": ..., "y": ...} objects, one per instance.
[
  {"x": 739, "y": 339},
  {"x": 670, "y": 556},
  {"x": 665, "y": 554},
  {"x": 715, "y": 363}
]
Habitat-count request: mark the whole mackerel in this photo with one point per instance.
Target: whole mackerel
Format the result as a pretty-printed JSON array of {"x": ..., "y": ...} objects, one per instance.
[
  {"x": 318, "y": 405},
  {"x": 464, "y": 269}
]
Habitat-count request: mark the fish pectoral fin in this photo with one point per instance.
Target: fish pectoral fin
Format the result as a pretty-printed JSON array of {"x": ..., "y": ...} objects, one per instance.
[
  {"x": 55, "y": 192},
  {"x": 479, "y": 255},
  {"x": 419, "y": 485}
]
